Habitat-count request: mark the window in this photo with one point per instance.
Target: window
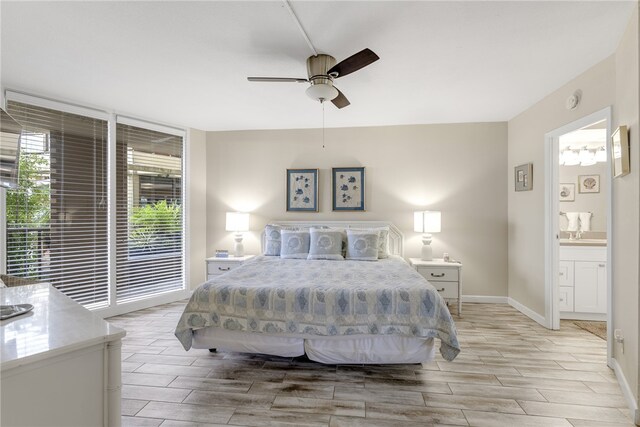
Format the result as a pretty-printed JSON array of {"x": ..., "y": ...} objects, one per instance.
[
  {"x": 150, "y": 244},
  {"x": 98, "y": 211},
  {"x": 57, "y": 216}
]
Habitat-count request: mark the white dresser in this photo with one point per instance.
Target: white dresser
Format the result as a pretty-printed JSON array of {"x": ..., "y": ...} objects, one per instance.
[
  {"x": 218, "y": 266},
  {"x": 61, "y": 364}
]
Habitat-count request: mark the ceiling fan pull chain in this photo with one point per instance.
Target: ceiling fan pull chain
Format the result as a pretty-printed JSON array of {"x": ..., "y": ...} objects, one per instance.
[{"x": 322, "y": 124}]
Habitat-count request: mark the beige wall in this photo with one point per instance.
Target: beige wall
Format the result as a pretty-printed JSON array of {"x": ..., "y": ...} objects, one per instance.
[
  {"x": 626, "y": 209},
  {"x": 526, "y": 208},
  {"x": 596, "y": 203},
  {"x": 196, "y": 197},
  {"x": 456, "y": 168}
]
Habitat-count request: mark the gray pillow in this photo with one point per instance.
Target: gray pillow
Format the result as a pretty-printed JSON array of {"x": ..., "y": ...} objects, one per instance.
[
  {"x": 383, "y": 242},
  {"x": 295, "y": 244},
  {"x": 362, "y": 245},
  {"x": 272, "y": 240},
  {"x": 325, "y": 243}
]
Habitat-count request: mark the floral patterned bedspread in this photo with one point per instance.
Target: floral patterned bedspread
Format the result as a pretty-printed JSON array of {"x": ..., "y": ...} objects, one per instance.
[{"x": 321, "y": 298}]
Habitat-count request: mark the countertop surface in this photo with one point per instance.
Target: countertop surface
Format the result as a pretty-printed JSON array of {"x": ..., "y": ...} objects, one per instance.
[
  {"x": 583, "y": 242},
  {"x": 56, "y": 325}
]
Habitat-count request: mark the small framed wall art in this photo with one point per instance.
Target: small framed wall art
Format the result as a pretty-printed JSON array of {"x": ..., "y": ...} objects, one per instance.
[
  {"x": 620, "y": 152},
  {"x": 302, "y": 190},
  {"x": 524, "y": 177},
  {"x": 567, "y": 192},
  {"x": 348, "y": 189},
  {"x": 588, "y": 183}
]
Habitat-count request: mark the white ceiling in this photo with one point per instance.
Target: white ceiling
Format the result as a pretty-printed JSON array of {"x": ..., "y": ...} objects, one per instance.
[{"x": 186, "y": 63}]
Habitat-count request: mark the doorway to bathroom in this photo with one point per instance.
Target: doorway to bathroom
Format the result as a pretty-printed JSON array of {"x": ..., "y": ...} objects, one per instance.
[{"x": 578, "y": 226}]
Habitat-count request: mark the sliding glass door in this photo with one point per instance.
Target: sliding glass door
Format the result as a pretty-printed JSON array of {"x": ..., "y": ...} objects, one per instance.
[
  {"x": 149, "y": 209},
  {"x": 99, "y": 207}
]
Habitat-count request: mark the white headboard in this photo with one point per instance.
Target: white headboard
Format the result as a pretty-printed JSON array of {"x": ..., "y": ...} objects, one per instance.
[{"x": 396, "y": 239}]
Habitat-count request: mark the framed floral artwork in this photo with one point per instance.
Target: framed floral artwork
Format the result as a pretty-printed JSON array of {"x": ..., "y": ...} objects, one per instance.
[
  {"x": 588, "y": 183},
  {"x": 567, "y": 192},
  {"x": 302, "y": 190},
  {"x": 348, "y": 189}
]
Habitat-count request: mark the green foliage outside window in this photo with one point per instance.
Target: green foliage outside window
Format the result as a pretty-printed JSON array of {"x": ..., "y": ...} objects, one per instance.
[
  {"x": 28, "y": 216},
  {"x": 156, "y": 227}
]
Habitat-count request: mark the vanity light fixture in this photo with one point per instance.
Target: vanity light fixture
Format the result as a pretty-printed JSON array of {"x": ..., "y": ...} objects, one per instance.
[{"x": 427, "y": 222}]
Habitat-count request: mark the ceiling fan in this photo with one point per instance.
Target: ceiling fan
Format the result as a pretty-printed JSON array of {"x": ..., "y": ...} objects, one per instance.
[{"x": 322, "y": 70}]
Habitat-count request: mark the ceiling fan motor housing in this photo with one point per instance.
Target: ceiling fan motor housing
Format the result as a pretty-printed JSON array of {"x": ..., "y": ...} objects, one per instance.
[{"x": 321, "y": 88}]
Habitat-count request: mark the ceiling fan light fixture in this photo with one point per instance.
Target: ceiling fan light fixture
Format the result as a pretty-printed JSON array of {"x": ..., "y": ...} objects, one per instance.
[{"x": 322, "y": 92}]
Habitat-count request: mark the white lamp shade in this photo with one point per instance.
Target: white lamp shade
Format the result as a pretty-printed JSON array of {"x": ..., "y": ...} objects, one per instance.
[
  {"x": 237, "y": 221},
  {"x": 427, "y": 222}
]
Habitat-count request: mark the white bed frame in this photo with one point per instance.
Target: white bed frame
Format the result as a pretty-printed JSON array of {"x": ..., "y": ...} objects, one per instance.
[{"x": 396, "y": 238}]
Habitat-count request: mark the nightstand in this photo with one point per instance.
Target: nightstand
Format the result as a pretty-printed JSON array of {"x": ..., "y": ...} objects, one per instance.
[
  {"x": 446, "y": 277},
  {"x": 218, "y": 266}
]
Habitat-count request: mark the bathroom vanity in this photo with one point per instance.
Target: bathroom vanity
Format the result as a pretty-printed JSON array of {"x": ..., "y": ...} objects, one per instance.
[{"x": 583, "y": 279}]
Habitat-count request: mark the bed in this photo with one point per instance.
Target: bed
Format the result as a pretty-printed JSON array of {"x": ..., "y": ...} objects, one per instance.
[{"x": 335, "y": 312}]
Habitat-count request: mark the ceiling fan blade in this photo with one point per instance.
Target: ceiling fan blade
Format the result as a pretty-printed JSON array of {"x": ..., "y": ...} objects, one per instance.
[
  {"x": 353, "y": 63},
  {"x": 277, "y": 79},
  {"x": 340, "y": 101}
]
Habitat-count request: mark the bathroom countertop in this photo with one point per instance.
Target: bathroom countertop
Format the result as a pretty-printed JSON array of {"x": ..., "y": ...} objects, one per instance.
[{"x": 583, "y": 242}]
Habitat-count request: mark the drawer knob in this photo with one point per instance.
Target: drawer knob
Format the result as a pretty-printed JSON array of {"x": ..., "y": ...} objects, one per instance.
[
  {"x": 441, "y": 290},
  {"x": 437, "y": 275},
  {"x": 224, "y": 268},
  {"x": 600, "y": 265},
  {"x": 561, "y": 273}
]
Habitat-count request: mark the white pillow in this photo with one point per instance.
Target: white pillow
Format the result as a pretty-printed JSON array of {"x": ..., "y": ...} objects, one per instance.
[
  {"x": 362, "y": 245},
  {"x": 295, "y": 244},
  {"x": 326, "y": 243},
  {"x": 2, "y": 285},
  {"x": 383, "y": 240}
]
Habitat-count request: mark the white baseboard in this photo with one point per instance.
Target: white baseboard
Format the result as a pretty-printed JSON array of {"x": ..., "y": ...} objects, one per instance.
[
  {"x": 598, "y": 317},
  {"x": 143, "y": 303},
  {"x": 527, "y": 312},
  {"x": 632, "y": 403},
  {"x": 484, "y": 299}
]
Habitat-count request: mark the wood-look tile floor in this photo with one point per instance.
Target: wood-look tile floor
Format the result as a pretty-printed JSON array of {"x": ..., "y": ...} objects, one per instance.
[{"x": 511, "y": 372}]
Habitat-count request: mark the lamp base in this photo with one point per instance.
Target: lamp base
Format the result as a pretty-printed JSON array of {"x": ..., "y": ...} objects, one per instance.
[
  {"x": 238, "y": 249},
  {"x": 427, "y": 252}
]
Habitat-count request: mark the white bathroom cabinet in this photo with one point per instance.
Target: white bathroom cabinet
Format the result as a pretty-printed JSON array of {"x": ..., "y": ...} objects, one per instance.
[{"x": 583, "y": 282}]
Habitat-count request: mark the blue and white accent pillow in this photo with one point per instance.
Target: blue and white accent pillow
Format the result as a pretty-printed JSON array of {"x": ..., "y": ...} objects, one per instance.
[
  {"x": 294, "y": 244},
  {"x": 273, "y": 240},
  {"x": 383, "y": 242},
  {"x": 362, "y": 245},
  {"x": 326, "y": 243}
]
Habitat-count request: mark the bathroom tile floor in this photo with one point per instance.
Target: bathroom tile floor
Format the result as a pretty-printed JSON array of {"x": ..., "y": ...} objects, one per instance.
[{"x": 511, "y": 371}]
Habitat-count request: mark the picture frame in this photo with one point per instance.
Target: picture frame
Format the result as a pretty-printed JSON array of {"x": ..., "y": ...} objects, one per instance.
[
  {"x": 524, "y": 177},
  {"x": 302, "y": 190},
  {"x": 588, "y": 183},
  {"x": 348, "y": 189},
  {"x": 567, "y": 192},
  {"x": 620, "y": 152}
]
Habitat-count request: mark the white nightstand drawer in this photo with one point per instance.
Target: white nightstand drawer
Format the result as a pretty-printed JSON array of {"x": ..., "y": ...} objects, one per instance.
[
  {"x": 221, "y": 267},
  {"x": 439, "y": 274},
  {"x": 446, "y": 289}
]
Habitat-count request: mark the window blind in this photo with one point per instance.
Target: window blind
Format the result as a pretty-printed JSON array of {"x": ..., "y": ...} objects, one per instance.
[
  {"x": 57, "y": 216},
  {"x": 149, "y": 212}
]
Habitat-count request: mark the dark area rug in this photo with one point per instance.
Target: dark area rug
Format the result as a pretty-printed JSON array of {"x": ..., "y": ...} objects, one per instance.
[{"x": 598, "y": 329}]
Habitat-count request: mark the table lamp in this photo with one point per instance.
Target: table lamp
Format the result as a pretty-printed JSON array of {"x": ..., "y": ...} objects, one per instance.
[
  {"x": 238, "y": 222},
  {"x": 426, "y": 222}
]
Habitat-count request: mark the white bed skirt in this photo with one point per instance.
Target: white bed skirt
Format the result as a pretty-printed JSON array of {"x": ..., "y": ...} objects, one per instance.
[{"x": 360, "y": 349}]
